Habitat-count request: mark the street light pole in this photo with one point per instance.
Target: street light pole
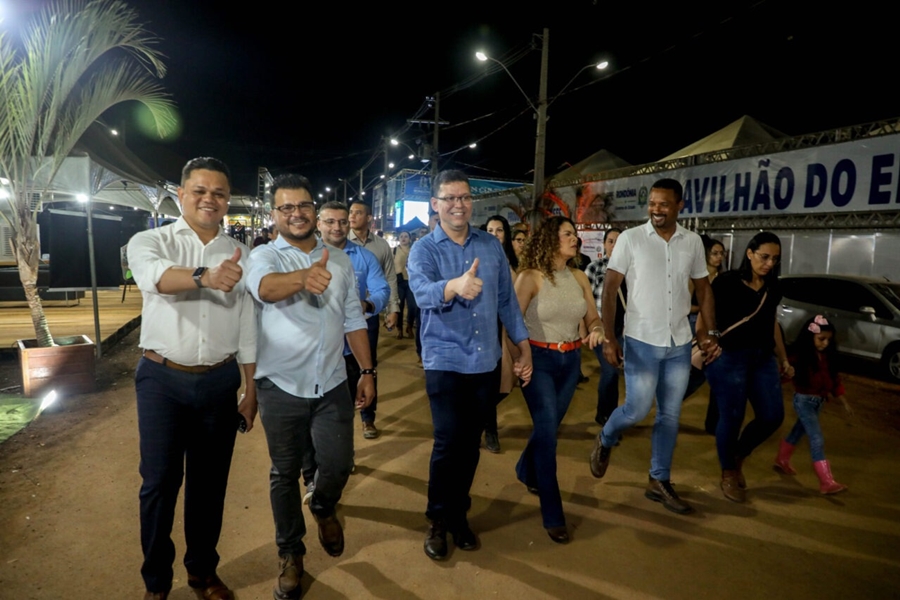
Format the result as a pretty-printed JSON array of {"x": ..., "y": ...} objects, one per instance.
[{"x": 540, "y": 145}]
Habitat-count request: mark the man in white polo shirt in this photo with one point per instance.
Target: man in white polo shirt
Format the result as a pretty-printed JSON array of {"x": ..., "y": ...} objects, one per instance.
[{"x": 656, "y": 261}]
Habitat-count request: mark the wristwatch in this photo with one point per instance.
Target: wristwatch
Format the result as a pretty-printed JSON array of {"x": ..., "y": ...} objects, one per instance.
[
  {"x": 198, "y": 273},
  {"x": 714, "y": 332}
]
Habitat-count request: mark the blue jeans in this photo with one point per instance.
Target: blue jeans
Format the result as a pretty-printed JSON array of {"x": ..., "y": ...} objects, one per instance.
[
  {"x": 458, "y": 402},
  {"x": 608, "y": 387},
  {"x": 187, "y": 424},
  {"x": 368, "y": 413},
  {"x": 735, "y": 377},
  {"x": 808, "y": 408},
  {"x": 548, "y": 396},
  {"x": 652, "y": 370},
  {"x": 292, "y": 423}
]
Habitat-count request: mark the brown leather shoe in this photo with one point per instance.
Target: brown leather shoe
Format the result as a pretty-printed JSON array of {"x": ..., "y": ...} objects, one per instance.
[
  {"x": 209, "y": 588},
  {"x": 599, "y": 458},
  {"x": 370, "y": 432},
  {"x": 331, "y": 534},
  {"x": 287, "y": 586},
  {"x": 731, "y": 486},
  {"x": 156, "y": 595},
  {"x": 662, "y": 491}
]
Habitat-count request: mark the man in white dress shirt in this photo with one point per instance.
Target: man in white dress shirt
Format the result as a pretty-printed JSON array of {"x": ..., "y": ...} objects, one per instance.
[
  {"x": 656, "y": 261},
  {"x": 198, "y": 324}
]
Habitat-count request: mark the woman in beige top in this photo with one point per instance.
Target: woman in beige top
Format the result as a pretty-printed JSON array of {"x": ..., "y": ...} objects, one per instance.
[{"x": 555, "y": 300}]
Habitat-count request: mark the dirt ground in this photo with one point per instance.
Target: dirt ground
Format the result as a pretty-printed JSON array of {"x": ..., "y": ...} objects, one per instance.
[{"x": 69, "y": 497}]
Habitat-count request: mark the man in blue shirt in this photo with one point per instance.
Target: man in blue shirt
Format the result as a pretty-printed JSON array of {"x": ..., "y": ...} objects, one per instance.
[
  {"x": 461, "y": 281},
  {"x": 308, "y": 303},
  {"x": 374, "y": 290}
]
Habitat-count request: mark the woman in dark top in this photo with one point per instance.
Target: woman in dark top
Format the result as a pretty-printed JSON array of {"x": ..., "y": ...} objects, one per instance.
[{"x": 752, "y": 361}]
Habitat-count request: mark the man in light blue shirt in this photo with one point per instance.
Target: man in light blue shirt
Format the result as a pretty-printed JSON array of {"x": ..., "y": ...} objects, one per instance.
[
  {"x": 460, "y": 278},
  {"x": 308, "y": 302}
]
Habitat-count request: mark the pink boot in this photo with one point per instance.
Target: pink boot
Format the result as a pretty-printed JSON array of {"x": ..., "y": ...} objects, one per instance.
[
  {"x": 827, "y": 484},
  {"x": 783, "y": 460}
]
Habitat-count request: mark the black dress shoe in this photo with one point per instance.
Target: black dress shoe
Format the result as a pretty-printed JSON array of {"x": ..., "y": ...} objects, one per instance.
[
  {"x": 560, "y": 535},
  {"x": 436, "y": 541},
  {"x": 464, "y": 537},
  {"x": 331, "y": 534}
]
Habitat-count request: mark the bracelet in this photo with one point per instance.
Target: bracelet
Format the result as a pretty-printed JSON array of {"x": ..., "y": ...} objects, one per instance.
[{"x": 371, "y": 372}]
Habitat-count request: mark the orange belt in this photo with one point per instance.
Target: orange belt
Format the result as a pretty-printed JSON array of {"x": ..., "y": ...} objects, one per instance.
[
  {"x": 563, "y": 347},
  {"x": 158, "y": 358}
]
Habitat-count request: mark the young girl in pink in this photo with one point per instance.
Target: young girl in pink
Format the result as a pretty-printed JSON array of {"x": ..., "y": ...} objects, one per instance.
[{"x": 813, "y": 357}]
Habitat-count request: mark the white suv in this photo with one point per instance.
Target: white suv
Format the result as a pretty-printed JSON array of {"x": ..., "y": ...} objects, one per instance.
[{"x": 865, "y": 311}]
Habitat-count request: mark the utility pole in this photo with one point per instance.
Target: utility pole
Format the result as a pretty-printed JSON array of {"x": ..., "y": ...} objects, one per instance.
[
  {"x": 434, "y": 143},
  {"x": 540, "y": 145}
]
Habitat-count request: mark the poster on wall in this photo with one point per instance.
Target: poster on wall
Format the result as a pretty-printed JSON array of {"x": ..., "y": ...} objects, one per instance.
[{"x": 853, "y": 176}]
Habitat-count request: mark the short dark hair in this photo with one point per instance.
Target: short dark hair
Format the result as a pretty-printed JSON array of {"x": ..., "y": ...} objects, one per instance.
[
  {"x": 611, "y": 230},
  {"x": 364, "y": 205},
  {"x": 290, "y": 181},
  {"x": 746, "y": 270},
  {"x": 670, "y": 184},
  {"x": 334, "y": 205},
  {"x": 205, "y": 162},
  {"x": 448, "y": 176}
]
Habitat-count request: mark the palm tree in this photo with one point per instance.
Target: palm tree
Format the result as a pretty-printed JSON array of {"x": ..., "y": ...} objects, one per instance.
[{"x": 75, "y": 60}]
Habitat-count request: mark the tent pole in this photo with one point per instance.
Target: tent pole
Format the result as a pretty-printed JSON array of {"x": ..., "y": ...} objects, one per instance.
[{"x": 90, "y": 232}]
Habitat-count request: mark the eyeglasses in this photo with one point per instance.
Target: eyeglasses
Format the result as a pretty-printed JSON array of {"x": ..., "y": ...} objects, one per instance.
[
  {"x": 467, "y": 199},
  {"x": 768, "y": 258},
  {"x": 332, "y": 222},
  {"x": 288, "y": 209}
]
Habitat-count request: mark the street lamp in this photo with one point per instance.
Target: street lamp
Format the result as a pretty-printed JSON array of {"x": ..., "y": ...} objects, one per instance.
[{"x": 540, "y": 149}]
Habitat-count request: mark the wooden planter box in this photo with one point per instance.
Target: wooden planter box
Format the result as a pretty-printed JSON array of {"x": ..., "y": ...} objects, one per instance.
[{"x": 67, "y": 368}]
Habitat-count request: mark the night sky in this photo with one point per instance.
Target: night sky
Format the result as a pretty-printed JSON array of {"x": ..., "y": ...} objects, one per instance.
[{"x": 315, "y": 87}]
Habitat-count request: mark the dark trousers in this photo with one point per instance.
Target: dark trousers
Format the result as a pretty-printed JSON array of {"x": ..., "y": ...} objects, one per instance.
[
  {"x": 187, "y": 425},
  {"x": 291, "y": 424},
  {"x": 407, "y": 299},
  {"x": 458, "y": 402},
  {"x": 368, "y": 413}
]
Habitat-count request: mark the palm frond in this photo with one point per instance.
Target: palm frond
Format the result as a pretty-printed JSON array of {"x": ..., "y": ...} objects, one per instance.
[{"x": 77, "y": 59}]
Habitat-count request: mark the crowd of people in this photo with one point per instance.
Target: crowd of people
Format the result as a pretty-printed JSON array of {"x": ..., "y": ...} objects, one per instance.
[{"x": 490, "y": 308}]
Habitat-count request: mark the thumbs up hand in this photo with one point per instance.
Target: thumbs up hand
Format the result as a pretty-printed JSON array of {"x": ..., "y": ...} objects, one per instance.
[
  {"x": 317, "y": 276},
  {"x": 225, "y": 275},
  {"x": 468, "y": 285}
]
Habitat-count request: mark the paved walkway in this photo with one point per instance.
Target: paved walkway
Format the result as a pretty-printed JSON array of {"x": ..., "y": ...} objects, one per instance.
[{"x": 69, "y": 526}]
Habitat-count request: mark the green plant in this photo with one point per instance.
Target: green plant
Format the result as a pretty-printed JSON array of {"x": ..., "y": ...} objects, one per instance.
[{"x": 74, "y": 61}]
